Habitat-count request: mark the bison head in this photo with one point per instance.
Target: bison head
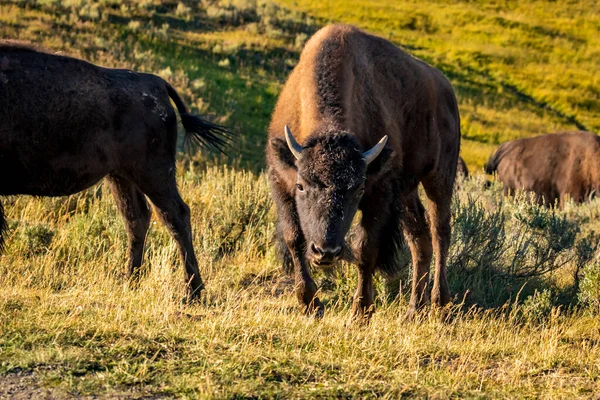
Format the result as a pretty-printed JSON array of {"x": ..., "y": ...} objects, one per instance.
[{"x": 331, "y": 177}]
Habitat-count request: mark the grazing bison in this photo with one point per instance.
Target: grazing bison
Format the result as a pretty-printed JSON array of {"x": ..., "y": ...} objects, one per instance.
[
  {"x": 66, "y": 124},
  {"x": 358, "y": 125},
  {"x": 554, "y": 167}
]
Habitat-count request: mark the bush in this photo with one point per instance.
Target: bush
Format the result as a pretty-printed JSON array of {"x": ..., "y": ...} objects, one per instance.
[
  {"x": 538, "y": 307},
  {"x": 497, "y": 250},
  {"x": 589, "y": 289},
  {"x": 37, "y": 239}
]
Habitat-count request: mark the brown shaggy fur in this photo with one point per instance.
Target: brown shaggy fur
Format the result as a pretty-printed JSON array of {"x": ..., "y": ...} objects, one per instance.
[
  {"x": 554, "y": 167},
  {"x": 348, "y": 91}
]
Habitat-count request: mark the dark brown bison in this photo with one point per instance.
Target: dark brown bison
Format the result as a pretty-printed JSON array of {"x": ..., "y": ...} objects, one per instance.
[
  {"x": 358, "y": 125},
  {"x": 66, "y": 124},
  {"x": 554, "y": 167}
]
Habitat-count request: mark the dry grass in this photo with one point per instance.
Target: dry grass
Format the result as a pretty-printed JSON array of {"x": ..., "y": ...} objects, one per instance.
[{"x": 67, "y": 315}]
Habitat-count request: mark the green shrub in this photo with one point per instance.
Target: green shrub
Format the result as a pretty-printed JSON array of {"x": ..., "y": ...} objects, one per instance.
[
  {"x": 537, "y": 308},
  {"x": 37, "y": 239},
  {"x": 497, "y": 250},
  {"x": 589, "y": 289},
  {"x": 184, "y": 11}
]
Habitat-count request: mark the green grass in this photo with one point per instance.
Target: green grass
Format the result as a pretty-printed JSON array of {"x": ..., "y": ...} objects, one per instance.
[
  {"x": 68, "y": 318},
  {"x": 519, "y": 69}
]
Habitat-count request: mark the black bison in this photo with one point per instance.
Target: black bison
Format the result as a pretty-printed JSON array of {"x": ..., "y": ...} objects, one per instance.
[
  {"x": 358, "y": 125},
  {"x": 66, "y": 124},
  {"x": 554, "y": 166}
]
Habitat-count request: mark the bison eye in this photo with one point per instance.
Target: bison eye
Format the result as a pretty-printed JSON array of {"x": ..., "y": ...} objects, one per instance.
[{"x": 300, "y": 187}]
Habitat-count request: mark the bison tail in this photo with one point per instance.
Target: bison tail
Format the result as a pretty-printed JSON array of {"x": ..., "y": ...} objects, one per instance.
[
  {"x": 492, "y": 164},
  {"x": 198, "y": 131}
]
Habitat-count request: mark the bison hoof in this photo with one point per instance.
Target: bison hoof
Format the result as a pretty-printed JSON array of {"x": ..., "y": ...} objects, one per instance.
[
  {"x": 361, "y": 315},
  {"x": 194, "y": 293},
  {"x": 439, "y": 297},
  {"x": 411, "y": 314},
  {"x": 315, "y": 309}
]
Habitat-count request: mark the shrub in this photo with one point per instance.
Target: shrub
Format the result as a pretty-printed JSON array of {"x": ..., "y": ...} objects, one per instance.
[
  {"x": 497, "y": 250},
  {"x": 184, "y": 11},
  {"x": 538, "y": 307},
  {"x": 37, "y": 239},
  {"x": 589, "y": 290}
]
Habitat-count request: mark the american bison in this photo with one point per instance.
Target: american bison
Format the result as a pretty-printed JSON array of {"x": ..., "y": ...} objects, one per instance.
[
  {"x": 554, "y": 166},
  {"x": 358, "y": 125},
  {"x": 67, "y": 123}
]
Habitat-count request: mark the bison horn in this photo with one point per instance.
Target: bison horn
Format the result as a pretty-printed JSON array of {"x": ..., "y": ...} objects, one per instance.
[
  {"x": 294, "y": 146},
  {"x": 372, "y": 154}
]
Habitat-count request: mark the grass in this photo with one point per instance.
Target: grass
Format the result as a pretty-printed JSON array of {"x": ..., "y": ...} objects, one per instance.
[
  {"x": 70, "y": 324},
  {"x": 519, "y": 69},
  {"x": 68, "y": 317}
]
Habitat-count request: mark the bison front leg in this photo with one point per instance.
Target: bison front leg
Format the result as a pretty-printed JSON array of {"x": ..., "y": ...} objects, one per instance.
[
  {"x": 362, "y": 305},
  {"x": 367, "y": 247},
  {"x": 305, "y": 287}
]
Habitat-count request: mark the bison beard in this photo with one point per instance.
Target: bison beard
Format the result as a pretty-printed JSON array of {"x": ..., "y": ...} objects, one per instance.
[{"x": 348, "y": 91}]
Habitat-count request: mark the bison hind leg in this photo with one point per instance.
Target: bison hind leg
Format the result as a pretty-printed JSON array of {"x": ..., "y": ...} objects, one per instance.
[
  {"x": 439, "y": 191},
  {"x": 417, "y": 235},
  {"x": 134, "y": 208}
]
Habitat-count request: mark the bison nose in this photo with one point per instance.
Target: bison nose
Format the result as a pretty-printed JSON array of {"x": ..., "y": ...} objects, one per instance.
[{"x": 325, "y": 254}]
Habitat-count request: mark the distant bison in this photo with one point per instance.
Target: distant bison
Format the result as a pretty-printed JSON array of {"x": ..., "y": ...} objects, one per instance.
[
  {"x": 66, "y": 124},
  {"x": 554, "y": 167},
  {"x": 358, "y": 125}
]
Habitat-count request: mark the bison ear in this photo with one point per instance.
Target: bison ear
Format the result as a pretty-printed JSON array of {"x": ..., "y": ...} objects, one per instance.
[
  {"x": 381, "y": 163},
  {"x": 282, "y": 152}
]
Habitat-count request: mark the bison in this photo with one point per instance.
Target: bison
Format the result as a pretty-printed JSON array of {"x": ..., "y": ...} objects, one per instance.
[
  {"x": 554, "y": 166},
  {"x": 358, "y": 125},
  {"x": 67, "y": 123}
]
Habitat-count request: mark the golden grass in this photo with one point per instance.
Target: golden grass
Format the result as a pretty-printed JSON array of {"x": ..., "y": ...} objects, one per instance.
[{"x": 67, "y": 315}]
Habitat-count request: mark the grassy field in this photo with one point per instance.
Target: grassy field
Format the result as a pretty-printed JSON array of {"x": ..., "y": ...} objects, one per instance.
[{"x": 525, "y": 280}]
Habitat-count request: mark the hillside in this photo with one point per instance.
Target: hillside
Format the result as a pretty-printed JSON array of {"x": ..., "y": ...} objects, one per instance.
[
  {"x": 518, "y": 70},
  {"x": 525, "y": 280}
]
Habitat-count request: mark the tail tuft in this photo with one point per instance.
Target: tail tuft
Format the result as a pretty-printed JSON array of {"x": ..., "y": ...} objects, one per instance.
[
  {"x": 199, "y": 131},
  {"x": 202, "y": 133}
]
